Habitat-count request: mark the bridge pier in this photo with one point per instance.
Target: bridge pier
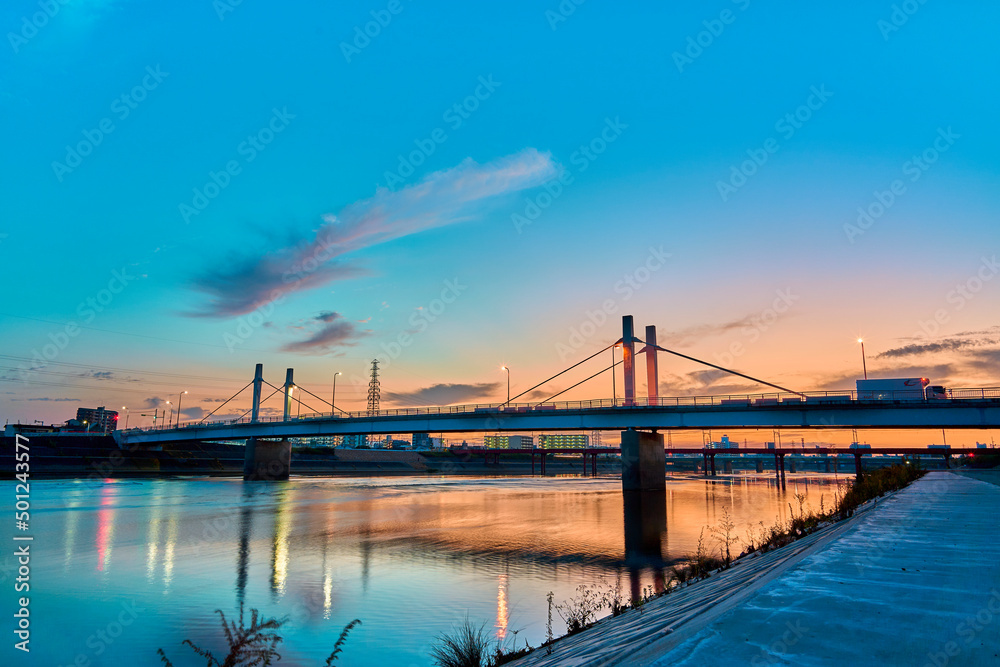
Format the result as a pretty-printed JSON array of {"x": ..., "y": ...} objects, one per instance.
[
  {"x": 760, "y": 465},
  {"x": 728, "y": 467},
  {"x": 791, "y": 465},
  {"x": 704, "y": 467},
  {"x": 711, "y": 457},
  {"x": 858, "y": 470},
  {"x": 644, "y": 463},
  {"x": 267, "y": 460}
]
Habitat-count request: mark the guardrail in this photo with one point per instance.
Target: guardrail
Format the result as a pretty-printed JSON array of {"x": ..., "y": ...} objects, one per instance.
[{"x": 724, "y": 401}]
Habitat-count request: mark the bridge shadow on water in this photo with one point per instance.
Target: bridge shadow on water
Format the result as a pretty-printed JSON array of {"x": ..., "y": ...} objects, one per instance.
[{"x": 645, "y": 517}]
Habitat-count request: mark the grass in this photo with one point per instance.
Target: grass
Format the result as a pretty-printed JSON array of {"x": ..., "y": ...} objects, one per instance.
[
  {"x": 470, "y": 645},
  {"x": 254, "y": 645}
]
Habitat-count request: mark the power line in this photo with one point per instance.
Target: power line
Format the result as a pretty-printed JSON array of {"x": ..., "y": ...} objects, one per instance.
[{"x": 134, "y": 335}]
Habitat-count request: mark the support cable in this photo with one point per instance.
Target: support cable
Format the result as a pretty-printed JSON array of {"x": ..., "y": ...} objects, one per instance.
[
  {"x": 565, "y": 371},
  {"x": 617, "y": 363},
  {"x": 261, "y": 403},
  {"x": 223, "y": 405},
  {"x": 729, "y": 370},
  {"x": 293, "y": 398}
]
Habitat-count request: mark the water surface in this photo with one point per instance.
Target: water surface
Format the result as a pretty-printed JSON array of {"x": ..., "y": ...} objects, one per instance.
[{"x": 123, "y": 567}]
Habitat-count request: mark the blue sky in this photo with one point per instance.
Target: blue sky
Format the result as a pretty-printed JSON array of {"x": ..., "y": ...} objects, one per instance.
[{"x": 607, "y": 76}]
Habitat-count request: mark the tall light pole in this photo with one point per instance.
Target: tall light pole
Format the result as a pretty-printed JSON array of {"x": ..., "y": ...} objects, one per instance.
[
  {"x": 171, "y": 417},
  {"x": 864, "y": 364},
  {"x": 504, "y": 368},
  {"x": 333, "y": 399},
  {"x": 179, "y": 397},
  {"x": 126, "y": 417}
]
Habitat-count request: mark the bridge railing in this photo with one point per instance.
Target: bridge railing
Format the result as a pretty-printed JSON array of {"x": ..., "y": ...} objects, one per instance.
[{"x": 722, "y": 401}]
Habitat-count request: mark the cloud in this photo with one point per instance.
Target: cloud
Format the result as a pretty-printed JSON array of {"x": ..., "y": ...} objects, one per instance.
[
  {"x": 336, "y": 331},
  {"x": 442, "y": 198},
  {"x": 443, "y": 394},
  {"x": 192, "y": 413},
  {"x": 154, "y": 402},
  {"x": 55, "y": 400},
  {"x": 945, "y": 345}
]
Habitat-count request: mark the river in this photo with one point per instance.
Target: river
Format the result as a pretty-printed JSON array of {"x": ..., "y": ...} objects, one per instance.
[{"x": 120, "y": 568}]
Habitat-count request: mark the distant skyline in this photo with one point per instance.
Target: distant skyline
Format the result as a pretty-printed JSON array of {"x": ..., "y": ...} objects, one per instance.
[{"x": 194, "y": 188}]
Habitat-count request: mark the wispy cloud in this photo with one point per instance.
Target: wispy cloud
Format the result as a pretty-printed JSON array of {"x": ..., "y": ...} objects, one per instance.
[
  {"x": 444, "y": 394},
  {"x": 442, "y": 198},
  {"x": 334, "y": 331},
  {"x": 945, "y": 345},
  {"x": 53, "y": 400}
]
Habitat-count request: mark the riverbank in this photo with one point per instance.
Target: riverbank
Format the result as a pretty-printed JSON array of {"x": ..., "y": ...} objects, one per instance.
[
  {"x": 99, "y": 457},
  {"x": 906, "y": 580}
]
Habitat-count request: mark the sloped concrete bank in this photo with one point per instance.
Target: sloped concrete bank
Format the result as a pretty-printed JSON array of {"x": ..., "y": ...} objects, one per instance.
[{"x": 913, "y": 579}]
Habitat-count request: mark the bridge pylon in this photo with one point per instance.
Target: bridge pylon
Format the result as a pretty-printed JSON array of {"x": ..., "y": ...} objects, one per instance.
[{"x": 258, "y": 382}]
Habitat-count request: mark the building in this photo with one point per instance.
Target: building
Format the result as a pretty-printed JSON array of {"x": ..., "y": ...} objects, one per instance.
[
  {"x": 508, "y": 442},
  {"x": 422, "y": 441},
  {"x": 561, "y": 440},
  {"x": 353, "y": 441},
  {"x": 97, "y": 420}
]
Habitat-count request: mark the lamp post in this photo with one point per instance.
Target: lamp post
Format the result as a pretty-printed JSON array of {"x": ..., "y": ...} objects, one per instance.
[
  {"x": 126, "y": 417},
  {"x": 333, "y": 399},
  {"x": 864, "y": 364},
  {"x": 88, "y": 425},
  {"x": 507, "y": 370},
  {"x": 179, "y": 397},
  {"x": 171, "y": 417}
]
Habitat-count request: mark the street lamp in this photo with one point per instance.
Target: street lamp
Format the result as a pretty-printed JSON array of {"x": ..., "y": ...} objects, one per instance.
[
  {"x": 171, "y": 417},
  {"x": 179, "y": 397},
  {"x": 333, "y": 399},
  {"x": 126, "y": 417},
  {"x": 88, "y": 425},
  {"x": 864, "y": 364},
  {"x": 504, "y": 368}
]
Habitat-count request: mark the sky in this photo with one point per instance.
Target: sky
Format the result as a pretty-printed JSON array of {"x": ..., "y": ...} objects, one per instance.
[{"x": 196, "y": 187}]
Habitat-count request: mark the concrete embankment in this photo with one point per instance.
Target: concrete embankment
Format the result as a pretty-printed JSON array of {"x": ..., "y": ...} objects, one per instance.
[{"x": 913, "y": 579}]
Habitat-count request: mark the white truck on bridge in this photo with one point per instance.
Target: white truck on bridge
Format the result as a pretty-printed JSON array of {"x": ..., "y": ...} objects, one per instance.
[{"x": 899, "y": 389}]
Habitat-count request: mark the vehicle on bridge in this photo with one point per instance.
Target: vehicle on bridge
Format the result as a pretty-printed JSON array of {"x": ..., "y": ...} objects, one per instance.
[{"x": 900, "y": 389}]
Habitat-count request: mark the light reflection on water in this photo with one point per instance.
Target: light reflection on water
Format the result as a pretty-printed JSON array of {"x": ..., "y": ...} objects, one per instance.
[{"x": 410, "y": 557}]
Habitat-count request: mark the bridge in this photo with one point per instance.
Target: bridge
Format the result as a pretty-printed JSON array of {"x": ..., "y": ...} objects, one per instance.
[{"x": 268, "y": 443}]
